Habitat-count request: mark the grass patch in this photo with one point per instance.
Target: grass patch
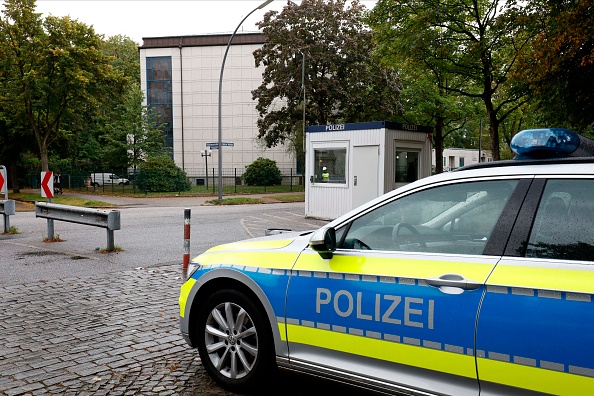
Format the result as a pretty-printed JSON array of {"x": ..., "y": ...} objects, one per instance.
[
  {"x": 12, "y": 230},
  {"x": 116, "y": 249},
  {"x": 235, "y": 201},
  {"x": 54, "y": 239},
  {"x": 196, "y": 191},
  {"x": 62, "y": 200},
  {"x": 289, "y": 198}
]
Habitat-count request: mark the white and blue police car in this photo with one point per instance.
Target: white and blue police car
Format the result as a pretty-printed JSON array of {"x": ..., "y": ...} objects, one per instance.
[{"x": 472, "y": 282}]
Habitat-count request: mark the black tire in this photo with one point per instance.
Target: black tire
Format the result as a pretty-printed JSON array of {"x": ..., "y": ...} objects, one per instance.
[
  {"x": 95, "y": 184},
  {"x": 234, "y": 341}
]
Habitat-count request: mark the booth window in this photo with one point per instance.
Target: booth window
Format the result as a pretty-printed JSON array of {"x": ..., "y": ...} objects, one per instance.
[
  {"x": 334, "y": 160},
  {"x": 407, "y": 166}
]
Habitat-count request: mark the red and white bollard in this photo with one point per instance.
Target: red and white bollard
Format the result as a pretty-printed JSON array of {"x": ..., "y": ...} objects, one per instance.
[{"x": 187, "y": 214}]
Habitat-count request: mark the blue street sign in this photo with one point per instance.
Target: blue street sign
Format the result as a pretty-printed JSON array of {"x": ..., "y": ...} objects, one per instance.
[{"x": 215, "y": 146}]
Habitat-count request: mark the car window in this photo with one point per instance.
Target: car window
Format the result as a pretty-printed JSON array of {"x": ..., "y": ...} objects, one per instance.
[
  {"x": 564, "y": 224},
  {"x": 457, "y": 219}
]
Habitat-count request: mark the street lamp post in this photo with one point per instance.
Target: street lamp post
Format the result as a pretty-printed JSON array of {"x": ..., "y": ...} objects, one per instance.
[
  {"x": 206, "y": 154},
  {"x": 221, "y": 93}
]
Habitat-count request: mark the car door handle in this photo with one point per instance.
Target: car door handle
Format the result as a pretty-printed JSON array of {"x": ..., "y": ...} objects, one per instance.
[{"x": 454, "y": 280}]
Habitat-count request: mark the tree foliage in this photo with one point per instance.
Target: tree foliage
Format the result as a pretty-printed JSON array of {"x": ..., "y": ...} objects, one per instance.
[
  {"x": 132, "y": 132},
  {"x": 476, "y": 42},
  {"x": 342, "y": 80},
  {"x": 53, "y": 72},
  {"x": 560, "y": 65}
]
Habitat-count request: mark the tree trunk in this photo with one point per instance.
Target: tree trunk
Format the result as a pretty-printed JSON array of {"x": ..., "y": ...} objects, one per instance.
[
  {"x": 438, "y": 141},
  {"x": 493, "y": 127},
  {"x": 43, "y": 151},
  {"x": 14, "y": 177}
]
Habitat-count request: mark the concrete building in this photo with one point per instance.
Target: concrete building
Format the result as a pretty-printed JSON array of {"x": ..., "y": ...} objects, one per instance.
[
  {"x": 457, "y": 157},
  {"x": 180, "y": 78}
]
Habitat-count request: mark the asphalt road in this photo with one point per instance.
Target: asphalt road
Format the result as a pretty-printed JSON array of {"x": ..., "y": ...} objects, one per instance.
[
  {"x": 75, "y": 321},
  {"x": 152, "y": 234}
]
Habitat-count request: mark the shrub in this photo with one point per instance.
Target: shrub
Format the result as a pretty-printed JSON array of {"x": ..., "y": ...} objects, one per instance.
[
  {"x": 159, "y": 173},
  {"x": 262, "y": 172}
]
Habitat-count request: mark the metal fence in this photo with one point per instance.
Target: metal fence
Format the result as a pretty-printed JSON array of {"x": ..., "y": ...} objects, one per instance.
[{"x": 200, "y": 181}]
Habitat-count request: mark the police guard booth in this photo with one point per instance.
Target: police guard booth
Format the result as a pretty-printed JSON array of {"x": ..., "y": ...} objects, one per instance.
[{"x": 350, "y": 164}]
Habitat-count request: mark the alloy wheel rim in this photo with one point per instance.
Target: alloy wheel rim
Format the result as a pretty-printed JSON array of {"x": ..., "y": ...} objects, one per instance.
[{"x": 231, "y": 340}]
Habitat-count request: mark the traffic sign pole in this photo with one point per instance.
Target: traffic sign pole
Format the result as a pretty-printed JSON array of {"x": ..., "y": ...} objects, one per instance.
[{"x": 47, "y": 191}]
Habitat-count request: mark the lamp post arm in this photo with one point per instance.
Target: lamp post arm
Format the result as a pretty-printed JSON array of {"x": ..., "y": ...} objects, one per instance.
[{"x": 221, "y": 95}]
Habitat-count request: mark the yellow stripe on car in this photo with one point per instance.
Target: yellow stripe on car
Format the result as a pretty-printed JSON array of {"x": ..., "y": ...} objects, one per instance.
[
  {"x": 270, "y": 260},
  {"x": 442, "y": 361},
  {"x": 185, "y": 290},
  {"x": 392, "y": 266},
  {"x": 536, "y": 379},
  {"x": 539, "y": 278}
]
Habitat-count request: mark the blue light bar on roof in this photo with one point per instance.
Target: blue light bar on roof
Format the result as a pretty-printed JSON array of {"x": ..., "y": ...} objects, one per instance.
[{"x": 550, "y": 143}]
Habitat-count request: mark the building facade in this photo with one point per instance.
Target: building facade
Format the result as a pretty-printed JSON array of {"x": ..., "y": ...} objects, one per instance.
[
  {"x": 180, "y": 78},
  {"x": 458, "y": 157}
]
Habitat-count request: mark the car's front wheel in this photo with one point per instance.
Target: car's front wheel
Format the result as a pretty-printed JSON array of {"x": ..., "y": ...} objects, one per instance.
[{"x": 234, "y": 340}]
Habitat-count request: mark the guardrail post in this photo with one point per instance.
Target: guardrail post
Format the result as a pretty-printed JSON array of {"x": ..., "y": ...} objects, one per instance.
[
  {"x": 110, "y": 241},
  {"x": 7, "y": 208},
  {"x": 187, "y": 215},
  {"x": 50, "y": 226},
  {"x": 50, "y": 229}
]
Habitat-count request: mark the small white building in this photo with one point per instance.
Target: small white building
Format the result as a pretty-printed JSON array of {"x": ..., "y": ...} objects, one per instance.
[
  {"x": 458, "y": 157},
  {"x": 361, "y": 161}
]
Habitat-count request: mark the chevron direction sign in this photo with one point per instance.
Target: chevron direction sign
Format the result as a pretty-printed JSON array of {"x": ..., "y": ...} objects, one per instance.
[{"x": 47, "y": 184}]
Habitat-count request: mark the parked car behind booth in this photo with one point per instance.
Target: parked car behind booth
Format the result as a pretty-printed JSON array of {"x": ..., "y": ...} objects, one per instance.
[{"x": 100, "y": 179}]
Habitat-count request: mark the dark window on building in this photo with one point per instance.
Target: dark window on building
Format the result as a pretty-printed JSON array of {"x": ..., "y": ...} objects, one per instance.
[
  {"x": 407, "y": 166},
  {"x": 159, "y": 94}
]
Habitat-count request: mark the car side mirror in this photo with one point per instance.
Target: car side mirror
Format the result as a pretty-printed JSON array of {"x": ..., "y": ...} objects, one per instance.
[{"x": 323, "y": 241}]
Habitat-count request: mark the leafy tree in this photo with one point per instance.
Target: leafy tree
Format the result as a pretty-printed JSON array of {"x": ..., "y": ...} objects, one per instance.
[
  {"x": 477, "y": 41},
  {"x": 54, "y": 72},
  {"x": 560, "y": 65},
  {"x": 262, "y": 172},
  {"x": 425, "y": 101},
  {"x": 111, "y": 133},
  {"x": 124, "y": 57},
  {"x": 342, "y": 81},
  {"x": 133, "y": 133}
]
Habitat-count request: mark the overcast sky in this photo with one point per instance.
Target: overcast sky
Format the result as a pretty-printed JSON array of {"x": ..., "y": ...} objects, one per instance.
[{"x": 155, "y": 18}]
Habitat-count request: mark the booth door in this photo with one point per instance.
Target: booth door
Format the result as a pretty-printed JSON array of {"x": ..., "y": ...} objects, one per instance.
[{"x": 365, "y": 174}]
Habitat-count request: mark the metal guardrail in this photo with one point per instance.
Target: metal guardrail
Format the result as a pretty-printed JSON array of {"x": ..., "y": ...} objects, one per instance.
[
  {"x": 109, "y": 219},
  {"x": 7, "y": 208}
]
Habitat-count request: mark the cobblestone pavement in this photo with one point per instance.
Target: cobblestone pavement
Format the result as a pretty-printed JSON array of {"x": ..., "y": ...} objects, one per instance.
[{"x": 115, "y": 334}]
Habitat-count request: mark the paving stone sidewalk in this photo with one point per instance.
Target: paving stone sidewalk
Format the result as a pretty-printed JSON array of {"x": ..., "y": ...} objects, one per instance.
[{"x": 116, "y": 334}]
